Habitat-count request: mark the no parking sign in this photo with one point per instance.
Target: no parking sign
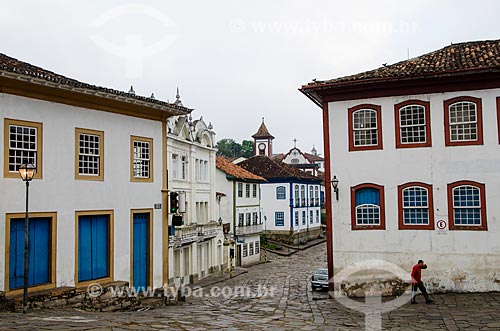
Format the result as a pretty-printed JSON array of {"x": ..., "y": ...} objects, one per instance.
[{"x": 441, "y": 226}]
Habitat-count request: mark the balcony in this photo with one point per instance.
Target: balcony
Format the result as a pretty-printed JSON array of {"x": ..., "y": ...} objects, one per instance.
[
  {"x": 187, "y": 234},
  {"x": 249, "y": 229},
  {"x": 209, "y": 230}
]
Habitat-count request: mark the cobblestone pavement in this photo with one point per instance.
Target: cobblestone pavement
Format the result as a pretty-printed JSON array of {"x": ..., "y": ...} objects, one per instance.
[{"x": 288, "y": 304}]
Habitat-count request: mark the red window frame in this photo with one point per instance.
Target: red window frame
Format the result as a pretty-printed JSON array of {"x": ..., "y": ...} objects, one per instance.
[
  {"x": 378, "y": 111},
  {"x": 482, "y": 195},
  {"x": 380, "y": 189},
  {"x": 479, "y": 115},
  {"x": 402, "y": 225},
  {"x": 427, "y": 113}
]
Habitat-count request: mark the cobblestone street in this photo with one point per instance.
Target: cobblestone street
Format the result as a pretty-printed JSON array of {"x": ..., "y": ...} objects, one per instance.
[{"x": 289, "y": 305}]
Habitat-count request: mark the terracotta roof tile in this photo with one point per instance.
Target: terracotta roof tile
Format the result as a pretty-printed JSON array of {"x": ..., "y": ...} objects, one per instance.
[
  {"x": 235, "y": 171},
  {"x": 16, "y": 66},
  {"x": 312, "y": 157},
  {"x": 462, "y": 58},
  {"x": 274, "y": 170},
  {"x": 263, "y": 132}
]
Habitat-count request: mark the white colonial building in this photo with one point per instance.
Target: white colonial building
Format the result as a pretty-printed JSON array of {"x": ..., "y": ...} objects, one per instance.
[
  {"x": 415, "y": 148},
  {"x": 309, "y": 162},
  {"x": 239, "y": 207},
  {"x": 196, "y": 244},
  {"x": 98, "y": 202},
  {"x": 290, "y": 200}
]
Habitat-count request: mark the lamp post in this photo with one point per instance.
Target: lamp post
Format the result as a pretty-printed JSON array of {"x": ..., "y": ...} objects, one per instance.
[
  {"x": 335, "y": 185},
  {"x": 26, "y": 171}
]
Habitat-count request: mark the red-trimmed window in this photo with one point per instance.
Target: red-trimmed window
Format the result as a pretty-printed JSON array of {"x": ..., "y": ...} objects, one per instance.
[
  {"x": 467, "y": 206},
  {"x": 367, "y": 207},
  {"x": 413, "y": 126},
  {"x": 365, "y": 127},
  {"x": 416, "y": 211},
  {"x": 463, "y": 121}
]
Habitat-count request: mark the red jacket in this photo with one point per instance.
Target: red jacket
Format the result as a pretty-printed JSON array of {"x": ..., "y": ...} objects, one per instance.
[{"x": 416, "y": 273}]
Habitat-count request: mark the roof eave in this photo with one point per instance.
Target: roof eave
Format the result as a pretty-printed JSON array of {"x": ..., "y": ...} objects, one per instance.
[
  {"x": 326, "y": 85},
  {"x": 246, "y": 180},
  {"x": 170, "y": 109},
  {"x": 316, "y": 92}
]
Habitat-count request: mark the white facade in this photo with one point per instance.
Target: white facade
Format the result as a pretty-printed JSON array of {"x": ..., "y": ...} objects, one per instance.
[
  {"x": 248, "y": 223},
  {"x": 240, "y": 209},
  {"x": 298, "y": 210},
  {"x": 62, "y": 195},
  {"x": 458, "y": 259},
  {"x": 196, "y": 246}
]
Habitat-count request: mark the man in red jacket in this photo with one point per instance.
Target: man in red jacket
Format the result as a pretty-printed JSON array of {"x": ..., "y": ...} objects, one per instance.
[{"x": 416, "y": 280}]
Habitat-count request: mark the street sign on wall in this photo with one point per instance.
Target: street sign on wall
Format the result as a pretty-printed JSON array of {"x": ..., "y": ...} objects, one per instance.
[{"x": 442, "y": 227}]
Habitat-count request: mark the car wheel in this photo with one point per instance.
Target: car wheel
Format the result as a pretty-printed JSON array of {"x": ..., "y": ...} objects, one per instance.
[{"x": 314, "y": 288}]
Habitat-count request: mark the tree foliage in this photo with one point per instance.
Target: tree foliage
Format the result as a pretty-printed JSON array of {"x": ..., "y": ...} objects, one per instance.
[
  {"x": 229, "y": 148},
  {"x": 247, "y": 148}
]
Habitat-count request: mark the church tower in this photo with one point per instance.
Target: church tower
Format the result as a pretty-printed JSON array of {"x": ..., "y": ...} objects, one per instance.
[{"x": 263, "y": 141}]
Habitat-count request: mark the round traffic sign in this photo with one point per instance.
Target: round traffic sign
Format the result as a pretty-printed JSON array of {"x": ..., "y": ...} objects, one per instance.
[{"x": 441, "y": 224}]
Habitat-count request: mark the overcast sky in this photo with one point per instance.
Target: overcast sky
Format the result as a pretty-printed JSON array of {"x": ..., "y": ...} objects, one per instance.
[{"x": 235, "y": 61}]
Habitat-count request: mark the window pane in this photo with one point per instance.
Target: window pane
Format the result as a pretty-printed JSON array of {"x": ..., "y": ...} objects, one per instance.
[
  {"x": 141, "y": 150},
  {"x": 22, "y": 146},
  {"x": 89, "y": 154},
  {"x": 415, "y": 205},
  {"x": 463, "y": 121},
  {"x": 467, "y": 205},
  {"x": 368, "y": 215},
  {"x": 365, "y": 127},
  {"x": 412, "y": 124}
]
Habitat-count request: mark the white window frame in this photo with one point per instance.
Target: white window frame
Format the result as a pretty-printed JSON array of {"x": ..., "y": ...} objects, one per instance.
[
  {"x": 460, "y": 125},
  {"x": 416, "y": 208},
  {"x": 368, "y": 132},
  {"x": 412, "y": 110},
  {"x": 458, "y": 207}
]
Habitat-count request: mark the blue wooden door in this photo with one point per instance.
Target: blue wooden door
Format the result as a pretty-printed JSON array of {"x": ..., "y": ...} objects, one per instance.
[
  {"x": 93, "y": 247},
  {"x": 141, "y": 254},
  {"x": 38, "y": 252}
]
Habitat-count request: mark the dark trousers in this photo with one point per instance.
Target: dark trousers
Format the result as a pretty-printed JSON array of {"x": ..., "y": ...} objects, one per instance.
[{"x": 422, "y": 289}]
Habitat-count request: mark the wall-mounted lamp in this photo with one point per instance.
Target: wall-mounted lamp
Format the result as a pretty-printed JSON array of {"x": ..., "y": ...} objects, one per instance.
[{"x": 335, "y": 185}]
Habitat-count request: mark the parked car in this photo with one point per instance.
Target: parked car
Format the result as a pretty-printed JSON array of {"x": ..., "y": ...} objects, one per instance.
[{"x": 319, "y": 279}]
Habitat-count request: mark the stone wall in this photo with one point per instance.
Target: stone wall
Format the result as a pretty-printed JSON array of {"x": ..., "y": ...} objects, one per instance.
[
  {"x": 114, "y": 296},
  {"x": 292, "y": 238}
]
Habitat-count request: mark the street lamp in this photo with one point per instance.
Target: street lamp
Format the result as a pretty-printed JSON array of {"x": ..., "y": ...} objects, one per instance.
[
  {"x": 335, "y": 185},
  {"x": 26, "y": 171}
]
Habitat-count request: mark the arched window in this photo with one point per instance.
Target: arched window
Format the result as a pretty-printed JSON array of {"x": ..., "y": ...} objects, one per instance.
[
  {"x": 416, "y": 207},
  {"x": 413, "y": 127},
  {"x": 467, "y": 206},
  {"x": 365, "y": 127},
  {"x": 367, "y": 207},
  {"x": 280, "y": 193},
  {"x": 463, "y": 121}
]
